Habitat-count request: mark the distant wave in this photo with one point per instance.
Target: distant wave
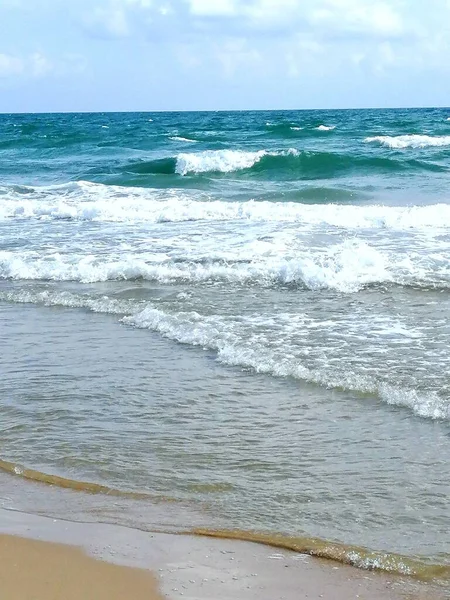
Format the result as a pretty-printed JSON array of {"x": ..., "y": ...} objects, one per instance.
[
  {"x": 177, "y": 138},
  {"x": 293, "y": 130},
  {"x": 410, "y": 141},
  {"x": 283, "y": 129},
  {"x": 287, "y": 163}
]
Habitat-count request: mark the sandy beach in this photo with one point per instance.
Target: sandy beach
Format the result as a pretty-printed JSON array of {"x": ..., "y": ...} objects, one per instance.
[
  {"x": 49, "y": 559},
  {"x": 36, "y": 570}
]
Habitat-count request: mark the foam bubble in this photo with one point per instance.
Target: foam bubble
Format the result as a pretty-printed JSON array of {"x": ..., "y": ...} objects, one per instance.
[
  {"x": 410, "y": 141},
  {"x": 326, "y": 127}
]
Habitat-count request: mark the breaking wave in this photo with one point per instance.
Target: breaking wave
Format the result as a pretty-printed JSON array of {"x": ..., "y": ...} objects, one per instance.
[
  {"x": 96, "y": 202},
  {"x": 220, "y": 161},
  {"x": 288, "y": 163},
  {"x": 399, "y": 142},
  {"x": 345, "y": 267}
]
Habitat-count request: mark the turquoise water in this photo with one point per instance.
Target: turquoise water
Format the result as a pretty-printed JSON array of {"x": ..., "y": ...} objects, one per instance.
[{"x": 245, "y": 313}]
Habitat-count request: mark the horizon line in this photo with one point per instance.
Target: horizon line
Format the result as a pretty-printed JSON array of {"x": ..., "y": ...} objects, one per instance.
[{"x": 220, "y": 110}]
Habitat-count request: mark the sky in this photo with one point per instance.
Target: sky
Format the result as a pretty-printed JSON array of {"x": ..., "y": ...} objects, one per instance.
[{"x": 133, "y": 55}]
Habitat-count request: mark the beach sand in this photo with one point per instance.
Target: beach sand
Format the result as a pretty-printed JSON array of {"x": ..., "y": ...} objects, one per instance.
[
  {"x": 35, "y": 570},
  {"x": 37, "y": 562}
]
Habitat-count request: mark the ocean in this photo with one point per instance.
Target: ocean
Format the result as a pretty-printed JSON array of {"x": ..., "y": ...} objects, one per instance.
[{"x": 231, "y": 322}]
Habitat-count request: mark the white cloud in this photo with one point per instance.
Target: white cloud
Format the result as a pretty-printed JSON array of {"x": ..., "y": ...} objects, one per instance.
[
  {"x": 236, "y": 53},
  {"x": 373, "y": 36},
  {"x": 359, "y": 16},
  {"x": 383, "y": 18},
  {"x": 10, "y": 65},
  {"x": 39, "y": 65},
  {"x": 108, "y": 22},
  {"x": 216, "y": 8}
]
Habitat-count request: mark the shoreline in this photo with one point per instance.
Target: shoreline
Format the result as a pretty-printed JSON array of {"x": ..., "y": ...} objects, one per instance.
[
  {"x": 338, "y": 553},
  {"x": 184, "y": 566}
]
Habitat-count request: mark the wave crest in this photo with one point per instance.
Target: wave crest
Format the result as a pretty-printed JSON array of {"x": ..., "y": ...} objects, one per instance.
[
  {"x": 346, "y": 267},
  {"x": 97, "y": 202},
  {"x": 223, "y": 161},
  {"x": 399, "y": 142}
]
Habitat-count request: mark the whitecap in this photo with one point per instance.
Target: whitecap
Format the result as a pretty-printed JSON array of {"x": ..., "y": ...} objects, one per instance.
[
  {"x": 177, "y": 138},
  {"x": 223, "y": 161},
  {"x": 345, "y": 267},
  {"x": 97, "y": 202},
  {"x": 326, "y": 127},
  {"x": 400, "y": 142}
]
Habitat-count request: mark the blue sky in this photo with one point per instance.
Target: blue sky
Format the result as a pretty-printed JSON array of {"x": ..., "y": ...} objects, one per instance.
[{"x": 102, "y": 55}]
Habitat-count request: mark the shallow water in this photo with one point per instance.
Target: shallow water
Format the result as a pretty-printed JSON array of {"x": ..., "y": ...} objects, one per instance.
[{"x": 249, "y": 329}]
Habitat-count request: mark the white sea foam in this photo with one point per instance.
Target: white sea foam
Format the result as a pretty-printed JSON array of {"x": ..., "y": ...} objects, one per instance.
[
  {"x": 427, "y": 404},
  {"x": 177, "y": 138},
  {"x": 346, "y": 267},
  {"x": 326, "y": 127},
  {"x": 236, "y": 344},
  {"x": 400, "y": 142},
  {"x": 224, "y": 161},
  {"x": 296, "y": 128},
  {"x": 67, "y": 299},
  {"x": 96, "y": 202},
  {"x": 267, "y": 343}
]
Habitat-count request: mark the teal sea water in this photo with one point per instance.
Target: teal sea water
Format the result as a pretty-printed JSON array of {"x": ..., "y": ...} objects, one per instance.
[{"x": 232, "y": 321}]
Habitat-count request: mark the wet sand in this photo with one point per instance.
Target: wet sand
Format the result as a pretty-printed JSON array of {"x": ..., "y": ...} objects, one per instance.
[{"x": 36, "y": 566}]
